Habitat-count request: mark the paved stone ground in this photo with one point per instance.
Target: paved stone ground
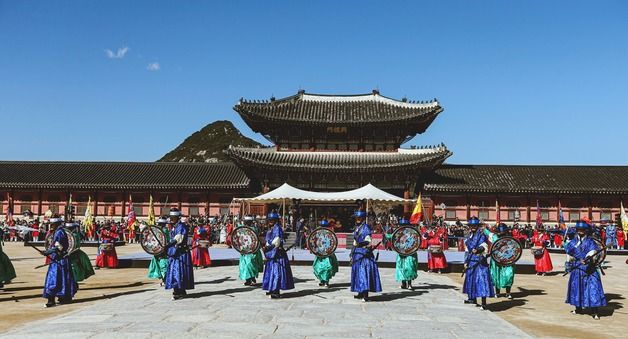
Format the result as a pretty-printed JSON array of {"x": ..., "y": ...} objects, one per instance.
[{"x": 221, "y": 306}]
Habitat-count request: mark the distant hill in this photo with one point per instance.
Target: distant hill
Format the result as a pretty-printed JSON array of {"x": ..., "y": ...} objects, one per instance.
[{"x": 207, "y": 145}]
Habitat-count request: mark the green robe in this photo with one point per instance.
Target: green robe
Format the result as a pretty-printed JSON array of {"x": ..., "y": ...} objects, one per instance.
[
  {"x": 251, "y": 264},
  {"x": 406, "y": 267},
  {"x": 325, "y": 267},
  {"x": 7, "y": 271},
  {"x": 502, "y": 276},
  {"x": 159, "y": 263},
  {"x": 79, "y": 261}
]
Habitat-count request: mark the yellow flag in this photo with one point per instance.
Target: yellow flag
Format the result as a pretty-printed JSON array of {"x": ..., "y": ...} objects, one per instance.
[
  {"x": 624, "y": 218},
  {"x": 151, "y": 212},
  {"x": 89, "y": 217},
  {"x": 417, "y": 213}
]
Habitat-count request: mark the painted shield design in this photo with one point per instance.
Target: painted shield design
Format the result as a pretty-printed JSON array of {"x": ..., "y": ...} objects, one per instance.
[
  {"x": 72, "y": 245},
  {"x": 153, "y": 240},
  {"x": 322, "y": 242},
  {"x": 506, "y": 251},
  {"x": 406, "y": 240},
  {"x": 245, "y": 240}
]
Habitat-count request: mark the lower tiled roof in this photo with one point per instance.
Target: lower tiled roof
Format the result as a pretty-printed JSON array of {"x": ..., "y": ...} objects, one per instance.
[
  {"x": 528, "y": 179},
  {"x": 121, "y": 175}
]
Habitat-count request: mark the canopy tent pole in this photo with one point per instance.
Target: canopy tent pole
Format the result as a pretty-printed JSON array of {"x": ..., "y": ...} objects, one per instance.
[{"x": 283, "y": 214}]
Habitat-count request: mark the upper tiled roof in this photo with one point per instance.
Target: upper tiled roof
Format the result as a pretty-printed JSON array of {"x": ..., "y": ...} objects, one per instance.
[
  {"x": 337, "y": 109},
  {"x": 331, "y": 161},
  {"x": 121, "y": 175},
  {"x": 529, "y": 179}
]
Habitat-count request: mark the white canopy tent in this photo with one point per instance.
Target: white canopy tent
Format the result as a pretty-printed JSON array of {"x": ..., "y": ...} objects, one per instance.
[{"x": 285, "y": 192}]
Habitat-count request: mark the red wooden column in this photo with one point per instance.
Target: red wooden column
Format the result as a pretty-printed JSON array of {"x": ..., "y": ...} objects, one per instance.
[{"x": 406, "y": 195}]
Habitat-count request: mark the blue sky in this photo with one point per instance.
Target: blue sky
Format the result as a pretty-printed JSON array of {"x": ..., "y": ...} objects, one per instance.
[{"x": 522, "y": 82}]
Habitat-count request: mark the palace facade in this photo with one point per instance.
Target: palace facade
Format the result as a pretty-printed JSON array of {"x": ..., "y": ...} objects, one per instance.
[{"x": 324, "y": 143}]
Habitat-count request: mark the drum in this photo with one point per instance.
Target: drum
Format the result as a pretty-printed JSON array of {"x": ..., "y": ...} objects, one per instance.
[
  {"x": 72, "y": 245},
  {"x": 153, "y": 240},
  {"x": 245, "y": 240},
  {"x": 506, "y": 251},
  {"x": 203, "y": 243},
  {"x": 406, "y": 240},
  {"x": 322, "y": 242},
  {"x": 537, "y": 251},
  {"x": 600, "y": 257},
  {"x": 435, "y": 249},
  {"x": 105, "y": 247}
]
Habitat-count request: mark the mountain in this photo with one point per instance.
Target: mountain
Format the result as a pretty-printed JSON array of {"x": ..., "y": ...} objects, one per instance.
[{"x": 207, "y": 145}]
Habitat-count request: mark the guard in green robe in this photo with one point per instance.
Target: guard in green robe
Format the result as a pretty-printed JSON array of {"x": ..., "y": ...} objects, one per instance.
[
  {"x": 406, "y": 266},
  {"x": 502, "y": 276},
  {"x": 253, "y": 263},
  {"x": 79, "y": 261},
  {"x": 7, "y": 271},
  {"x": 325, "y": 267},
  {"x": 159, "y": 263}
]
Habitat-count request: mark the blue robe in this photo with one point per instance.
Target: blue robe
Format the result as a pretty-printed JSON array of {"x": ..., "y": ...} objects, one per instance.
[
  {"x": 364, "y": 271},
  {"x": 59, "y": 281},
  {"x": 277, "y": 272},
  {"x": 180, "y": 273},
  {"x": 477, "y": 280},
  {"x": 611, "y": 235},
  {"x": 585, "y": 286}
]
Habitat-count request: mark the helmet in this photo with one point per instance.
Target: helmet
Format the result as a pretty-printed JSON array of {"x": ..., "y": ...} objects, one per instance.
[
  {"x": 174, "y": 212},
  {"x": 474, "y": 221},
  {"x": 248, "y": 218},
  {"x": 324, "y": 223},
  {"x": 273, "y": 215},
  {"x": 162, "y": 220},
  {"x": 582, "y": 225},
  {"x": 502, "y": 228},
  {"x": 404, "y": 221},
  {"x": 359, "y": 214}
]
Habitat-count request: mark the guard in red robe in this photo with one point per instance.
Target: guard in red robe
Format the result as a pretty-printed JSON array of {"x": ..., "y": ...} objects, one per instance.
[
  {"x": 201, "y": 241},
  {"x": 435, "y": 258},
  {"x": 542, "y": 263},
  {"x": 558, "y": 240},
  {"x": 621, "y": 238},
  {"x": 229, "y": 230},
  {"x": 107, "y": 256},
  {"x": 423, "y": 239}
]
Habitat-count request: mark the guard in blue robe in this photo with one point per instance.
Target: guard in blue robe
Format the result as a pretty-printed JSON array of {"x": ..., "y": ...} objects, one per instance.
[
  {"x": 364, "y": 271},
  {"x": 180, "y": 274},
  {"x": 59, "y": 281},
  {"x": 277, "y": 272},
  {"x": 477, "y": 280},
  {"x": 585, "y": 284}
]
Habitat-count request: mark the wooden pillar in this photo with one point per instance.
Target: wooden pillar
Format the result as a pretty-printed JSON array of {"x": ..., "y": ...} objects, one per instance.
[
  {"x": 468, "y": 207},
  {"x": 39, "y": 203},
  {"x": 179, "y": 197},
  {"x": 124, "y": 195},
  {"x": 528, "y": 215},
  {"x": 590, "y": 207},
  {"x": 95, "y": 204},
  {"x": 406, "y": 195}
]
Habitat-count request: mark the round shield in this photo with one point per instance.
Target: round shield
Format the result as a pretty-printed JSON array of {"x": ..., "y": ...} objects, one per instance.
[
  {"x": 406, "y": 240},
  {"x": 153, "y": 240},
  {"x": 600, "y": 257},
  {"x": 506, "y": 251},
  {"x": 72, "y": 245},
  {"x": 322, "y": 242},
  {"x": 244, "y": 239}
]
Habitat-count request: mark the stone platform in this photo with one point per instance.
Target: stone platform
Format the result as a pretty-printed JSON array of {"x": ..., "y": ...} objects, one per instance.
[{"x": 221, "y": 307}]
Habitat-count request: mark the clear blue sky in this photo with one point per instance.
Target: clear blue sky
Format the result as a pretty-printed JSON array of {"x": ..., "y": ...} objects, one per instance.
[{"x": 522, "y": 82}]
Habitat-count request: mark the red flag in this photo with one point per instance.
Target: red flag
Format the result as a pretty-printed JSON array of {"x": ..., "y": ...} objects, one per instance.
[
  {"x": 498, "y": 218},
  {"x": 10, "y": 220},
  {"x": 417, "y": 213}
]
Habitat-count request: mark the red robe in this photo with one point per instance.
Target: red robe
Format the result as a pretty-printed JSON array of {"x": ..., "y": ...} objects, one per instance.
[
  {"x": 107, "y": 258},
  {"x": 229, "y": 230},
  {"x": 558, "y": 240},
  {"x": 445, "y": 235},
  {"x": 200, "y": 256},
  {"x": 435, "y": 261},
  {"x": 423, "y": 239},
  {"x": 544, "y": 263},
  {"x": 621, "y": 238}
]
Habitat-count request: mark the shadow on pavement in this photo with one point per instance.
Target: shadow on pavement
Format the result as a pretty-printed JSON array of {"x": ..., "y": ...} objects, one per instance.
[
  {"x": 395, "y": 296},
  {"x": 217, "y": 281},
  {"x": 222, "y": 292},
  {"x": 505, "y": 305},
  {"x": 524, "y": 292},
  {"x": 427, "y": 286},
  {"x": 304, "y": 293},
  {"x": 109, "y": 296},
  {"x": 612, "y": 304},
  {"x": 39, "y": 295}
]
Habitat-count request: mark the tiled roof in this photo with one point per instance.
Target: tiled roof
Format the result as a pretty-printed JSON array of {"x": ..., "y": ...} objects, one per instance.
[
  {"x": 332, "y": 161},
  {"x": 529, "y": 179},
  {"x": 338, "y": 109},
  {"x": 121, "y": 175}
]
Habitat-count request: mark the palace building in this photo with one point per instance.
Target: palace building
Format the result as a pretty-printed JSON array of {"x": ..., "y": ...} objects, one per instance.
[{"x": 324, "y": 143}]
